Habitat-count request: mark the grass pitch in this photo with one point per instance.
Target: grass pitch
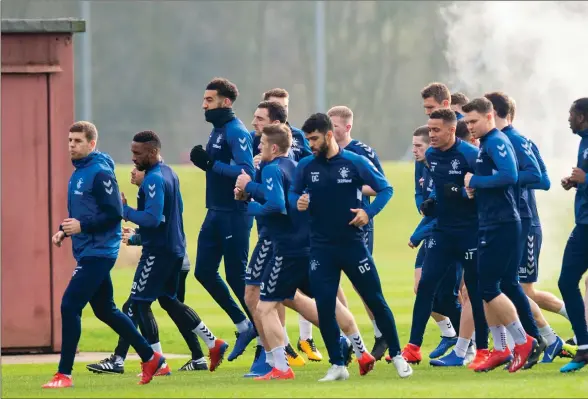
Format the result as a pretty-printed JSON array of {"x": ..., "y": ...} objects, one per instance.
[{"x": 394, "y": 260}]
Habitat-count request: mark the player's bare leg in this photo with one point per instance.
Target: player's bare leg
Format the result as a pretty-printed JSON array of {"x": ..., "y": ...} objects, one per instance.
[
  {"x": 307, "y": 308},
  {"x": 545, "y": 300},
  {"x": 294, "y": 358},
  {"x": 274, "y": 336}
]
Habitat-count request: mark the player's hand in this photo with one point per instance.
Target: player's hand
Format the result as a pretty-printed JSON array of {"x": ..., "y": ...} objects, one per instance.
[
  {"x": 126, "y": 236},
  {"x": 422, "y": 181},
  {"x": 242, "y": 180},
  {"x": 578, "y": 176},
  {"x": 58, "y": 238},
  {"x": 240, "y": 195},
  {"x": 123, "y": 198},
  {"x": 200, "y": 158},
  {"x": 470, "y": 192},
  {"x": 428, "y": 207},
  {"x": 71, "y": 226},
  {"x": 467, "y": 179},
  {"x": 411, "y": 245},
  {"x": 256, "y": 160},
  {"x": 361, "y": 218},
  {"x": 303, "y": 202},
  {"x": 452, "y": 191},
  {"x": 567, "y": 184}
]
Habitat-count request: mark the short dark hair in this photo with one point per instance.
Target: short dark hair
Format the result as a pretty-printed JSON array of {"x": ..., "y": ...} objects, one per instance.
[
  {"x": 88, "y": 128},
  {"x": 277, "y": 92},
  {"x": 224, "y": 88},
  {"x": 280, "y": 135},
  {"x": 500, "y": 102},
  {"x": 581, "y": 107},
  {"x": 445, "y": 114},
  {"x": 318, "y": 122},
  {"x": 438, "y": 91},
  {"x": 459, "y": 99},
  {"x": 275, "y": 111},
  {"x": 481, "y": 105},
  {"x": 423, "y": 132},
  {"x": 461, "y": 131},
  {"x": 148, "y": 137}
]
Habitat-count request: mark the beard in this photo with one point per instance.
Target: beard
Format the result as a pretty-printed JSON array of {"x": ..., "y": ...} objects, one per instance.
[{"x": 323, "y": 150}]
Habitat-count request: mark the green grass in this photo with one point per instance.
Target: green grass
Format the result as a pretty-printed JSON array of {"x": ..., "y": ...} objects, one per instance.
[{"x": 395, "y": 265}]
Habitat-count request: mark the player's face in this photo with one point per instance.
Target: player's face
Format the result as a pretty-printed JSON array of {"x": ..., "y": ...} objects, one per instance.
[
  {"x": 419, "y": 147},
  {"x": 478, "y": 124},
  {"x": 266, "y": 150},
  {"x": 341, "y": 127},
  {"x": 211, "y": 100},
  {"x": 283, "y": 101},
  {"x": 137, "y": 176},
  {"x": 143, "y": 155},
  {"x": 456, "y": 108},
  {"x": 440, "y": 133},
  {"x": 430, "y": 105},
  {"x": 575, "y": 120},
  {"x": 260, "y": 119},
  {"x": 318, "y": 143},
  {"x": 79, "y": 146}
]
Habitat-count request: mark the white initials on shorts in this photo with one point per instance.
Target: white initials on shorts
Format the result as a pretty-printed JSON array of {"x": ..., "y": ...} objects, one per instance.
[{"x": 364, "y": 266}]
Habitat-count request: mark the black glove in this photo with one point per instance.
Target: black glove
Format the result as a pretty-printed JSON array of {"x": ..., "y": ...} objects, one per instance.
[
  {"x": 452, "y": 191},
  {"x": 200, "y": 158},
  {"x": 428, "y": 207}
]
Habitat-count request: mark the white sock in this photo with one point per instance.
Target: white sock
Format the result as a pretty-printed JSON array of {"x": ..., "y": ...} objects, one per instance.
[
  {"x": 461, "y": 347},
  {"x": 582, "y": 347},
  {"x": 68, "y": 376},
  {"x": 279, "y": 355},
  {"x": 205, "y": 334},
  {"x": 157, "y": 348},
  {"x": 357, "y": 342},
  {"x": 259, "y": 341},
  {"x": 499, "y": 337},
  {"x": 510, "y": 341},
  {"x": 243, "y": 326},
  {"x": 517, "y": 331},
  {"x": 269, "y": 358},
  {"x": 286, "y": 338},
  {"x": 575, "y": 340},
  {"x": 446, "y": 328},
  {"x": 119, "y": 360},
  {"x": 474, "y": 336},
  {"x": 377, "y": 331},
  {"x": 305, "y": 328},
  {"x": 564, "y": 312},
  {"x": 548, "y": 334}
]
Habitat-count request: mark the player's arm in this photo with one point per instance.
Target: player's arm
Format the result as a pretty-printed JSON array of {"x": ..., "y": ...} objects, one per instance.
[
  {"x": 423, "y": 230},
  {"x": 544, "y": 183},
  {"x": 529, "y": 167},
  {"x": 107, "y": 196},
  {"x": 254, "y": 189},
  {"x": 373, "y": 157},
  {"x": 373, "y": 178},
  {"x": 503, "y": 156},
  {"x": 298, "y": 185},
  {"x": 418, "y": 190},
  {"x": 273, "y": 187},
  {"x": 152, "y": 216},
  {"x": 240, "y": 144}
]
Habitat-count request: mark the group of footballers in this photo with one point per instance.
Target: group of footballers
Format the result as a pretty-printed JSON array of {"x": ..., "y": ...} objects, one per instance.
[{"x": 314, "y": 193}]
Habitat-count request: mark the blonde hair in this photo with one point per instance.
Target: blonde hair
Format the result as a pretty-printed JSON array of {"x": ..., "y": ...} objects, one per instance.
[{"x": 342, "y": 112}]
